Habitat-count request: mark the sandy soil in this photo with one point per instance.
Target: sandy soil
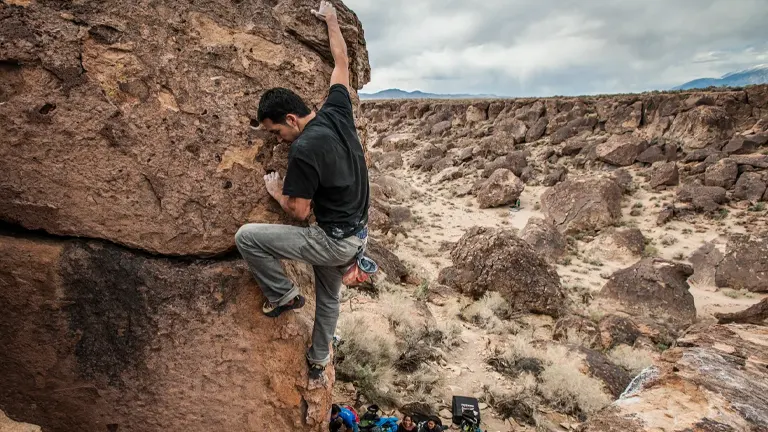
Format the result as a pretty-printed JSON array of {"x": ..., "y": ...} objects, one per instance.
[{"x": 440, "y": 218}]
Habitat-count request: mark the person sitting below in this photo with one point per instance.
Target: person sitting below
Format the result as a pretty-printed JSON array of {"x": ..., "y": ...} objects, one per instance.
[
  {"x": 342, "y": 416},
  {"x": 430, "y": 425},
  {"x": 407, "y": 425}
]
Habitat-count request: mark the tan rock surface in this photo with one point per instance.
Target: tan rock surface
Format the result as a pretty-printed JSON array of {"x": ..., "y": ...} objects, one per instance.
[
  {"x": 142, "y": 116},
  {"x": 95, "y": 334}
]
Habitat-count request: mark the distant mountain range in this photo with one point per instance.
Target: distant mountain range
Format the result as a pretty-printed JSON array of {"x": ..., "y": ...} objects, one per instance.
[
  {"x": 402, "y": 94},
  {"x": 754, "y": 75}
]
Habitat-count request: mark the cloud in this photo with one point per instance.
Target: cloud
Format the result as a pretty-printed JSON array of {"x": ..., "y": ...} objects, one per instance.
[{"x": 546, "y": 47}]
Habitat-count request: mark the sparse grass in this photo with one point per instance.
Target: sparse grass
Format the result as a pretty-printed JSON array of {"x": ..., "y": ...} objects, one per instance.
[
  {"x": 757, "y": 207},
  {"x": 422, "y": 292},
  {"x": 487, "y": 311},
  {"x": 593, "y": 261},
  {"x": 637, "y": 205},
  {"x": 731, "y": 293},
  {"x": 668, "y": 240},
  {"x": 679, "y": 256},
  {"x": 650, "y": 251},
  {"x": 565, "y": 261},
  {"x": 631, "y": 359},
  {"x": 721, "y": 214},
  {"x": 687, "y": 231}
]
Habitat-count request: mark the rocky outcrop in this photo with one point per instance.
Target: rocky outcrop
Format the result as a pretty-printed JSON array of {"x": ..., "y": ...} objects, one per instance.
[
  {"x": 144, "y": 116},
  {"x": 654, "y": 288},
  {"x": 97, "y": 335},
  {"x": 544, "y": 238},
  {"x": 488, "y": 259},
  {"x": 501, "y": 188},
  {"x": 745, "y": 264},
  {"x": 715, "y": 380},
  {"x": 705, "y": 260},
  {"x": 586, "y": 204},
  {"x": 618, "y": 244},
  {"x": 621, "y": 150},
  {"x": 664, "y": 174},
  {"x": 136, "y": 126}
]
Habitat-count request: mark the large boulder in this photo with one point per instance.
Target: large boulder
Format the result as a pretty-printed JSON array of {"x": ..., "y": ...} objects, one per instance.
[
  {"x": 702, "y": 198},
  {"x": 582, "y": 204},
  {"x": 625, "y": 245},
  {"x": 515, "y": 161},
  {"x": 750, "y": 186},
  {"x": 654, "y": 288},
  {"x": 135, "y": 125},
  {"x": 664, "y": 174},
  {"x": 502, "y": 188},
  {"x": 714, "y": 380},
  {"x": 487, "y": 259},
  {"x": 544, "y": 238},
  {"x": 97, "y": 337},
  {"x": 745, "y": 264},
  {"x": 722, "y": 174},
  {"x": 621, "y": 150},
  {"x": 705, "y": 260},
  {"x": 701, "y": 126}
]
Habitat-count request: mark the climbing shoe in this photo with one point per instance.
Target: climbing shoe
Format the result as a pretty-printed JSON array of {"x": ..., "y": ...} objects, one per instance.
[
  {"x": 273, "y": 311},
  {"x": 316, "y": 371}
]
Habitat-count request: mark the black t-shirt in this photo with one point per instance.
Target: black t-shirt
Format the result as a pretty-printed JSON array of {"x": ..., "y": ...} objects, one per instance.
[{"x": 327, "y": 165}]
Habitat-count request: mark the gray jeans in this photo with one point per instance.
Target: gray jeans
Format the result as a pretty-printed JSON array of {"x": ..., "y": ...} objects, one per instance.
[{"x": 263, "y": 245}]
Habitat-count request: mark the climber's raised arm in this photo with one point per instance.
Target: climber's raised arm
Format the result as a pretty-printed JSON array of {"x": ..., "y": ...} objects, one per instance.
[{"x": 327, "y": 13}]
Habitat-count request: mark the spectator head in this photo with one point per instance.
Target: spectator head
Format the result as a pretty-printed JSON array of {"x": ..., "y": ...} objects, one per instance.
[{"x": 335, "y": 410}]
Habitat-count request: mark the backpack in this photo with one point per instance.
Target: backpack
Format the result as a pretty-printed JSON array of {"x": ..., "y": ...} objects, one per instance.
[{"x": 352, "y": 410}]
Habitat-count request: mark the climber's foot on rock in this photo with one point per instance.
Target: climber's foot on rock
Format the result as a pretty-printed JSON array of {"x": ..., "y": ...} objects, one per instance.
[{"x": 273, "y": 310}]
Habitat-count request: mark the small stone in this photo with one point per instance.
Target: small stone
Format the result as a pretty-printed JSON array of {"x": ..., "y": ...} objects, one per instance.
[
  {"x": 482, "y": 405},
  {"x": 444, "y": 413}
]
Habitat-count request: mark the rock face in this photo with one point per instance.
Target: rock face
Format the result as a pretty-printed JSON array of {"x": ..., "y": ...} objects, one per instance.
[
  {"x": 664, "y": 174},
  {"x": 95, "y": 335},
  {"x": 705, "y": 260},
  {"x": 582, "y": 204},
  {"x": 621, "y": 150},
  {"x": 144, "y": 115},
  {"x": 715, "y": 380},
  {"x": 702, "y": 198},
  {"x": 544, "y": 238},
  {"x": 618, "y": 244},
  {"x": 745, "y": 265},
  {"x": 722, "y": 174},
  {"x": 654, "y": 288},
  {"x": 750, "y": 187},
  {"x": 488, "y": 259},
  {"x": 501, "y": 188},
  {"x": 137, "y": 126}
]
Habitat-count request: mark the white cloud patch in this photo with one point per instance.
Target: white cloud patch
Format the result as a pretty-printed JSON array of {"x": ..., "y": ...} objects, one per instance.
[{"x": 545, "y": 47}]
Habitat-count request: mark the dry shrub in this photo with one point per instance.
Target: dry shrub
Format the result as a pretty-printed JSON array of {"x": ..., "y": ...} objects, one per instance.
[
  {"x": 519, "y": 403},
  {"x": 561, "y": 382},
  {"x": 365, "y": 357},
  {"x": 488, "y": 313},
  {"x": 565, "y": 387},
  {"x": 632, "y": 359}
]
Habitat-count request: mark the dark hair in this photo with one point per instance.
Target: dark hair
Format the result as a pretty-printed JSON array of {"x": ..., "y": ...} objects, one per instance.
[
  {"x": 335, "y": 409},
  {"x": 278, "y": 102}
]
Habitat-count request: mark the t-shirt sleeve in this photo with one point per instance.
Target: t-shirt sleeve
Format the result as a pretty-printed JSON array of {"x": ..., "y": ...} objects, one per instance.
[
  {"x": 338, "y": 99},
  {"x": 301, "y": 179}
]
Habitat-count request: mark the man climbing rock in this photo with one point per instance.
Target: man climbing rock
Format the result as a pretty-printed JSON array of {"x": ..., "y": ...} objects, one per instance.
[{"x": 326, "y": 168}]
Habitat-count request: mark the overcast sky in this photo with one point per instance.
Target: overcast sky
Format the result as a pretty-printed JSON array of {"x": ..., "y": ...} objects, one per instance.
[{"x": 566, "y": 47}]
